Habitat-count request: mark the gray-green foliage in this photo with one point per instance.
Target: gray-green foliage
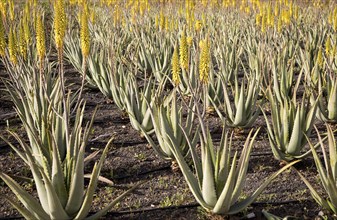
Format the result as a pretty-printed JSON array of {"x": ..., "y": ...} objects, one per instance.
[
  {"x": 290, "y": 123},
  {"x": 169, "y": 128},
  {"x": 327, "y": 171}
]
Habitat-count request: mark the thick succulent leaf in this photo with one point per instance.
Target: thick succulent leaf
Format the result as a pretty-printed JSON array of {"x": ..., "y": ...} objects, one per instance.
[
  {"x": 86, "y": 205},
  {"x": 208, "y": 180},
  {"x": 31, "y": 162},
  {"x": 332, "y": 152},
  {"x": 224, "y": 201},
  {"x": 242, "y": 166},
  {"x": 332, "y": 103},
  {"x": 269, "y": 216},
  {"x": 25, "y": 198},
  {"x": 23, "y": 211},
  {"x": 57, "y": 177},
  {"x": 192, "y": 181},
  {"x": 76, "y": 188},
  {"x": 295, "y": 146},
  {"x": 240, "y": 108},
  {"x": 227, "y": 104},
  {"x": 158, "y": 148},
  {"x": 223, "y": 162},
  {"x": 196, "y": 161},
  {"x": 56, "y": 210}
]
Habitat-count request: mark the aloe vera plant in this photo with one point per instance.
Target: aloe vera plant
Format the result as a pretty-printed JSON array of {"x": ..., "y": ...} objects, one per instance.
[
  {"x": 291, "y": 122},
  {"x": 282, "y": 70},
  {"x": 167, "y": 120},
  {"x": 136, "y": 102},
  {"x": 227, "y": 53},
  {"x": 327, "y": 171},
  {"x": 72, "y": 51},
  {"x": 35, "y": 96},
  {"x": 154, "y": 55},
  {"x": 246, "y": 104},
  {"x": 327, "y": 99},
  {"x": 108, "y": 74},
  {"x": 218, "y": 180},
  {"x": 59, "y": 182}
]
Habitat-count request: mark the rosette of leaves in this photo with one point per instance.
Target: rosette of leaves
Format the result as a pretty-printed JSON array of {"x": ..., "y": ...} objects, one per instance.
[
  {"x": 154, "y": 54},
  {"x": 290, "y": 123},
  {"x": 245, "y": 109},
  {"x": 282, "y": 70},
  {"x": 61, "y": 191},
  {"x": 227, "y": 52},
  {"x": 169, "y": 128},
  {"x": 138, "y": 102},
  {"x": 218, "y": 180},
  {"x": 218, "y": 177},
  {"x": 327, "y": 99},
  {"x": 108, "y": 74}
]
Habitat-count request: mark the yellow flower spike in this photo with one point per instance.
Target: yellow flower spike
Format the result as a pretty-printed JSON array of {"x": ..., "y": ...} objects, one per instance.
[
  {"x": 183, "y": 52},
  {"x": 167, "y": 24},
  {"x": 203, "y": 19},
  {"x": 92, "y": 16},
  {"x": 263, "y": 23},
  {"x": 161, "y": 20},
  {"x": 59, "y": 23},
  {"x": 116, "y": 15},
  {"x": 40, "y": 38},
  {"x": 276, "y": 9},
  {"x": 26, "y": 29},
  {"x": 330, "y": 18},
  {"x": 328, "y": 47},
  {"x": 2, "y": 39},
  {"x": 22, "y": 41},
  {"x": 334, "y": 50},
  {"x": 3, "y": 8},
  {"x": 204, "y": 61},
  {"x": 257, "y": 19},
  {"x": 11, "y": 10},
  {"x": 198, "y": 26},
  {"x": 12, "y": 47},
  {"x": 156, "y": 21},
  {"x": 201, "y": 44},
  {"x": 189, "y": 41},
  {"x": 334, "y": 19},
  {"x": 279, "y": 25},
  {"x": 84, "y": 34},
  {"x": 175, "y": 66}
]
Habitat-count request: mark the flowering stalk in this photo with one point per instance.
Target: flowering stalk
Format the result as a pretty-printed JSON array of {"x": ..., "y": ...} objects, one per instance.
[
  {"x": 40, "y": 41},
  {"x": 183, "y": 52},
  {"x": 85, "y": 44},
  {"x": 175, "y": 66},
  {"x": 12, "y": 47},
  {"x": 59, "y": 33},
  {"x": 204, "y": 63}
]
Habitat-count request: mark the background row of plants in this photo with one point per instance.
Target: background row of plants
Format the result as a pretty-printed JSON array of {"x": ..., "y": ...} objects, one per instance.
[{"x": 168, "y": 65}]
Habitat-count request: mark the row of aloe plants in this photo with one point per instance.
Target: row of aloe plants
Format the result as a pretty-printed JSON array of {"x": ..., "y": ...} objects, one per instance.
[{"x": 137, "y": 53}]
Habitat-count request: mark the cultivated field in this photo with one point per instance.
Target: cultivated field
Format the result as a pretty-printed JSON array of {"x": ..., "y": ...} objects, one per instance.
[{"x": 168, "y": 109}]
